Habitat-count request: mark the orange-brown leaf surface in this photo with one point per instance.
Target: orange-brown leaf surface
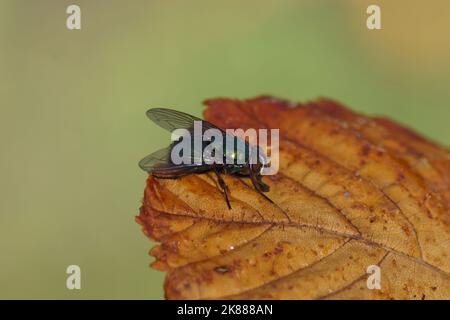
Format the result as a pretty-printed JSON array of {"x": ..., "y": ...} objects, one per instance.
[{"x": 352, "y": 191}]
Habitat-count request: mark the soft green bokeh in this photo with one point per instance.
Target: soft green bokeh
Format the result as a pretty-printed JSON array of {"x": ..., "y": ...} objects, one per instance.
[{"x": 73, "y": 125}]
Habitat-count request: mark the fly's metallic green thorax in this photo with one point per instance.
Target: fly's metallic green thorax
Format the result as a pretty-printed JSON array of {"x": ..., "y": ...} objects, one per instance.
[
  {"x": 239, "y": 152},
  {"x": 198, "y": 147},
  {"x": 218, "y": 149}
]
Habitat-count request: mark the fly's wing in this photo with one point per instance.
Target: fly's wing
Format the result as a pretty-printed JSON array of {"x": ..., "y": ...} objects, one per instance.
[
  {"x": 159, "y": 164},
  {"x": 156, "y": 160},
  {"x": 171, "y": 119}
]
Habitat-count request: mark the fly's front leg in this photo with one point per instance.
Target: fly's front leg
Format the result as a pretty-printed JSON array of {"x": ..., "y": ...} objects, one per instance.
[
  {"x": 261, "y": 189},
  {"x": 223, "y": 185},
  {"x": 264, "y": 187}
]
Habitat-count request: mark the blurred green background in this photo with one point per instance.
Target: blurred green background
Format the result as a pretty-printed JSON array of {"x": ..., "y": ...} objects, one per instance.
[{"x": 72, "y": 125}]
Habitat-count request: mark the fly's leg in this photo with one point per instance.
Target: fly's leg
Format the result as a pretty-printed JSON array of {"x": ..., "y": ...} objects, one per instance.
[
  {"x": 263, "y": 187},
  {"x": 224, "y": 187},
  {"x": 258, "y": 187}
]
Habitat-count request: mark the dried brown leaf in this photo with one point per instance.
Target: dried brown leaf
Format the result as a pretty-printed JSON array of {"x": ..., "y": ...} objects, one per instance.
[{"x": 352, "y": 191}]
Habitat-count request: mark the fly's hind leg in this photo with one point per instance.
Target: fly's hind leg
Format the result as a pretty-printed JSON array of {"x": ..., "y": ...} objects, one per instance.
[{"x": 224, "y": 187}]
